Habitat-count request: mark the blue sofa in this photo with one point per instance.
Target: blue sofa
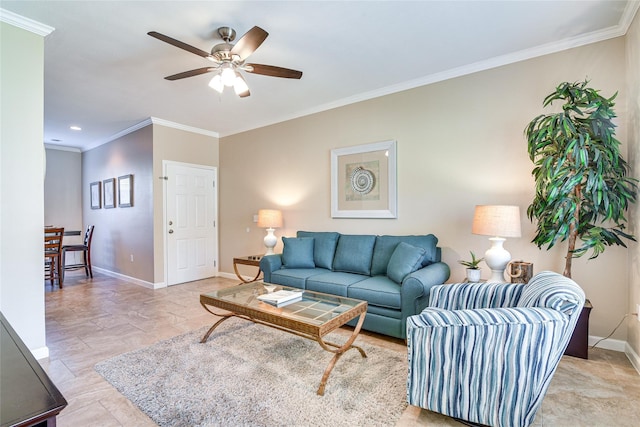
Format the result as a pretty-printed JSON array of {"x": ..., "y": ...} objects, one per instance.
[{"x": 394, "y": 274}]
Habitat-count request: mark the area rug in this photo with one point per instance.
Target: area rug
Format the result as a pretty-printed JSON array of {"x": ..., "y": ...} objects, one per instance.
[{"x": 253, "y": 375}]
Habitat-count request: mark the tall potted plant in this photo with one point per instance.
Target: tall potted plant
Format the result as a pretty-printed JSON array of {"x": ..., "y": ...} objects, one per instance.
[{"x": 582, "y": 184}]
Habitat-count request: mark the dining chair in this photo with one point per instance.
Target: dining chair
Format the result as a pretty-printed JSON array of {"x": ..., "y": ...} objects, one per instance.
[
  {"x": 53, "y": 254},
  {"x": 85, "y": 248}
]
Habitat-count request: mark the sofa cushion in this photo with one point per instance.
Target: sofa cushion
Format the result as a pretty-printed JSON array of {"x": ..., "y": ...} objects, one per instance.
[
  {"x": 378, "y": 291},
  {"x": 295, "y": 277},
  {"x": 405, "y": 259},
  {"x": 385, "y": 245},
  {"x": 353, "y": 253},
  {"x": 298, "y": 252},
  {"x": 324, "y": 248},
  {"x": 335, "y": 283}
]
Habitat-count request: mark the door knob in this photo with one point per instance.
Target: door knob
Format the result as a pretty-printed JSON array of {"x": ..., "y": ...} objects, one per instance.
[
  {"x": 170, "y": 222},
  {"x": 170, "y": 231}
]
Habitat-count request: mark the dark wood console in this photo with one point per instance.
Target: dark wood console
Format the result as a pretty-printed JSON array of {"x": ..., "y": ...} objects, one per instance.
[{"x": 28, "y": 397}]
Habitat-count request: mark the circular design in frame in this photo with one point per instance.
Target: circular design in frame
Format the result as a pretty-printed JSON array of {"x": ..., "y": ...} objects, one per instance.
[{"x": 362, "y": 180}]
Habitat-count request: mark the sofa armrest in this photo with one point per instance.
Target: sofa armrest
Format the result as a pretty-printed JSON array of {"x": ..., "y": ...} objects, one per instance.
[
  {"x": 269, "y": 264},
  {"x": 460, "y": 296},
  {"x": 416, "y": 286}
]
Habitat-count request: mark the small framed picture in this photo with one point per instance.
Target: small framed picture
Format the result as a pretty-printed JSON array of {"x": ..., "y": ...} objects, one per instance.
[
  {"x": 125, "y": 191},
  {"x": 95, "y": 193},
  {"x": 109, "y": 190}
]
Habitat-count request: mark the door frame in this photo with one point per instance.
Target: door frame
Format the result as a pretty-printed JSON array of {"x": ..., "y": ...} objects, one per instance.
[{"x": 165, "y": 227}]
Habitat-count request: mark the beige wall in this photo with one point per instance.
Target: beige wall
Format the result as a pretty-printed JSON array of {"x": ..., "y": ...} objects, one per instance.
[
  {"x": 138, "y": 230},
  {"x": 633, "y": 114},
  {"x": 178, "y": 146},
  {"x": 460, "y": 143},
  {"x": 22, "y": 184},
  {"x": 122, "y": 232}
]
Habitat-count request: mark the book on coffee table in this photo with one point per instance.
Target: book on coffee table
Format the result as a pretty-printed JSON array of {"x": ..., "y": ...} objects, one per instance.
[{"x": 280, "y": 298}]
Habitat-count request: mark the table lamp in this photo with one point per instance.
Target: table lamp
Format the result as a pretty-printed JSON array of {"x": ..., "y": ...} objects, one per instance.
[
  {"x": 498, "y": 222},
  {"x": 270, "y": 219}
]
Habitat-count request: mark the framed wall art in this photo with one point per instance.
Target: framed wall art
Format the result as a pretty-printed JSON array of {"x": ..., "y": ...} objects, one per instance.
[
  {"x": 109, "y": 190},
  {"x": 363, "y": 181},
  {"x": 95, "y": 195},
  {"x": 125, "y": 191}
]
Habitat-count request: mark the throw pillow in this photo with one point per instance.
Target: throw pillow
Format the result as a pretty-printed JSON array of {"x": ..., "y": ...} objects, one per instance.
[
  {"x": 405, "y": 260},
  {"x": 385, "y": 245},
  {"x": 324, "y": 247},
  {"x": 297, "y": 252}
]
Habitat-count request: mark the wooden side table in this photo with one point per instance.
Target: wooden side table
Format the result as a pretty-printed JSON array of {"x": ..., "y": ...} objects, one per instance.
[
  {"x": 253, "y": 260},
  {"x": 579, "y": 344}
]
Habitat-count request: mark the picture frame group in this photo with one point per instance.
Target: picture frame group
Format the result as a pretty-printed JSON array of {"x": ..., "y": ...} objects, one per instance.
[{"x": 103, "y": 193}]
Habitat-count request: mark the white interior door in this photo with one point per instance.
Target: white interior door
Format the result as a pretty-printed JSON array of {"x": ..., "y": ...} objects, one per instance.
[{"x": 190, "y": 222}]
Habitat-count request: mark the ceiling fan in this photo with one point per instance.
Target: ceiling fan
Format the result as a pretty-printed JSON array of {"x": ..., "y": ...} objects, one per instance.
[{"x": 229, "y": 59}]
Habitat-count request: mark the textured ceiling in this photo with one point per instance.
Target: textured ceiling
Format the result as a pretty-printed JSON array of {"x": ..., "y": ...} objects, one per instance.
[{"x": 105, "y": 74}]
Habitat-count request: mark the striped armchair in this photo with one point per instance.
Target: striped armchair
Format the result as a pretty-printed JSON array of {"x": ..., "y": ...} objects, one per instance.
[{"x": 485, "y": 353}]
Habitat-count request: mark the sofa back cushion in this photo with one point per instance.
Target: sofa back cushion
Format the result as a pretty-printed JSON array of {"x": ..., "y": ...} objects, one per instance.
[
  {"x": 353, "y": 253},
  {"x": 298, "y": 252},
  {"x": 385, "y": 245},
  {"x": 324, "y": 249}
]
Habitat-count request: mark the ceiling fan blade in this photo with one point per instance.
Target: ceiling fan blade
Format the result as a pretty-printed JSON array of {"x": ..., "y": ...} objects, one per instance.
[
  {"x": 249, "y": 42},
  {"x": 273, "y": 71},
  {"x": 191, "y": 73},
  {"x": 178, "y": 43}
]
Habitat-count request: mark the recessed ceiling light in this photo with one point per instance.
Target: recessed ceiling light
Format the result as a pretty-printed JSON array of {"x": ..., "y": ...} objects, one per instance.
[{"x": 75, "y": 128}]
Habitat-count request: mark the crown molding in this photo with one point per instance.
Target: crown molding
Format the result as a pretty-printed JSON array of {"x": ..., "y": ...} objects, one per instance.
[
  {"x": 25, "y": 23},
  {"x": 629, "y": 13},
  {"x": 62, "y": 148},
  {"x": 169, "y": 124},
  {"x": 153, "y": 121}
]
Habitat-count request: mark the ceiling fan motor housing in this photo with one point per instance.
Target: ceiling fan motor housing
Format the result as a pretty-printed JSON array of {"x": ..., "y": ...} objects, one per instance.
[{"x": 222, "y": 52}]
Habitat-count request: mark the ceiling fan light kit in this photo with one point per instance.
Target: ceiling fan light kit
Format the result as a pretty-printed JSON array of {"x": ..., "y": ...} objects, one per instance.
[{"x": 229, "y": 60}]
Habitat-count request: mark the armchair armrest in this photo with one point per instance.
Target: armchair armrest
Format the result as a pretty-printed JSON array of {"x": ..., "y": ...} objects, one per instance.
[
  {"x": 269, "y": 264},
  {"x": 461, "y": 296}
]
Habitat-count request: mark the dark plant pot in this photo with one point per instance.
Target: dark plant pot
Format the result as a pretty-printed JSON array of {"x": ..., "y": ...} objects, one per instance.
[{"x": 579, "y": 343}]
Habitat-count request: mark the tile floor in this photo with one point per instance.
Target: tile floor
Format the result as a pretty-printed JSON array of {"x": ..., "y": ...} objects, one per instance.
[{"x": 91, "y": 320}]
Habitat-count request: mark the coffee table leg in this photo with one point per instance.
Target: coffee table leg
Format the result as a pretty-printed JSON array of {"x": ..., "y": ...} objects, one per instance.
[
  {"x": 215, "y": 325},
  {"x": 339, "y": 352}
]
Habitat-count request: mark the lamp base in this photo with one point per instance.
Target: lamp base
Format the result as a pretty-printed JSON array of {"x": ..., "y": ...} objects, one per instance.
[
  {"x": 270, "y": 241},
  {"x": 497, "y": 258}
]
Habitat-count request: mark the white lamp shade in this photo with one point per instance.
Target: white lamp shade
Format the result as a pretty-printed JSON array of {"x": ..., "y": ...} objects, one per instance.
[
  {"x": 497, "y": 220},
  {"x": 269, "y": 218}
]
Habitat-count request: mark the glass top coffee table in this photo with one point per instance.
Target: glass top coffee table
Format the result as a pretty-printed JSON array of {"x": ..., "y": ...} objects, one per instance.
[{"x": 312, "y": 317}]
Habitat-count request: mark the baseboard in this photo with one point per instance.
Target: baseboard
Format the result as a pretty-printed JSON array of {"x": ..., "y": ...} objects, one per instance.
[
  {"x": 40, "y": 353},
  {"x": 608, "y": 344},
  {"x": 130, "y": 279},
  {"x": 633, "y": 357},
  {"x": 232, "y": 276}
]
